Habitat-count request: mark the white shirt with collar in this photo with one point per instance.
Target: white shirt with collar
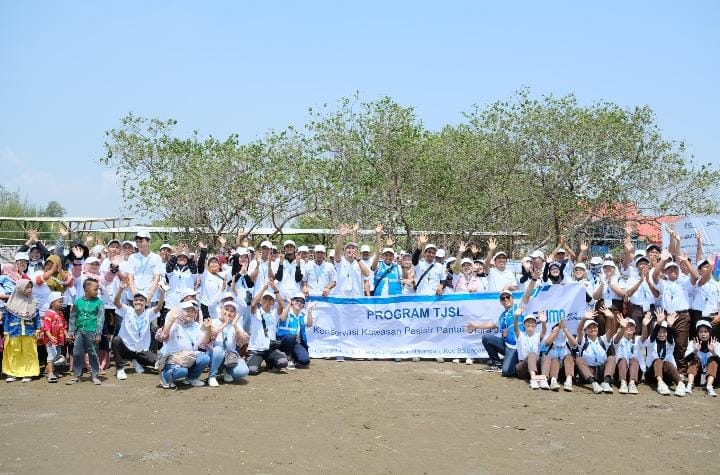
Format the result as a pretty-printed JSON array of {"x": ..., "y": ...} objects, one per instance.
[{"x": 430, "y": 280}]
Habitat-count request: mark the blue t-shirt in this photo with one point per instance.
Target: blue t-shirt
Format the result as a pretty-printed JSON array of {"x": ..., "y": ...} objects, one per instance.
[{"x": 505, "y": 321}]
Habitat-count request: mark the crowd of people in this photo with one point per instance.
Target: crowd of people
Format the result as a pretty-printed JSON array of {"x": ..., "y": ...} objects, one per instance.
[{"x": 652, "y": 315}]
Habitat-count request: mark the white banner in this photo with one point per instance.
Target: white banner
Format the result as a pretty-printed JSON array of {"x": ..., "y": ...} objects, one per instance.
[
  {"x": 688, "y": 228},
  {"x": 426, "y": 326}
]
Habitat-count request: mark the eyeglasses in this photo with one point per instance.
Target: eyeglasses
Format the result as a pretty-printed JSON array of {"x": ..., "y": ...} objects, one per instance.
[{"x": 505, "y": 297}]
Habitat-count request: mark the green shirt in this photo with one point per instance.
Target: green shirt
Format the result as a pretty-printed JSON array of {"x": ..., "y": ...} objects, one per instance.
[{"x": 88, "y": 315}]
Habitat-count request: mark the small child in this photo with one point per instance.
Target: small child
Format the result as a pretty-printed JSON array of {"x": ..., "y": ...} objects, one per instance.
[
  {"x": 627, "y": 355},
  {"x": 559, "y": 342},
  {"x": 86, "y": 324},
  {"x": 702, "y": 357},
  {"x": 528, "y": 347},
  {"x": 55, "y": 330}
]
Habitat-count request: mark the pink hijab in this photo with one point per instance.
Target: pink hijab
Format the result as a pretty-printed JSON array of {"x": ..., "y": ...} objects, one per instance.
[
  {"x": 21, "y": 305},
  {"x": 9, "y": 269}
]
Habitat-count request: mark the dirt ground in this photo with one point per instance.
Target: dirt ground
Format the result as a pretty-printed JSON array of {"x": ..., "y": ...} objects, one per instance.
[{"x": 352, "y": 417}]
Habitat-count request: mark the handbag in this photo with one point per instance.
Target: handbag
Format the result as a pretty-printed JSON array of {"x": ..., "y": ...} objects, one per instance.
[
  {"x": 183, "y": 358},
  {"x": 231, "y": 359}
]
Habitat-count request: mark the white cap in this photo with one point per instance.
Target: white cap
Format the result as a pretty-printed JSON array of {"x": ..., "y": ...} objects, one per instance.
[
  {"x": 671, "y": 264},
  {"x": 639, "y": 252},
  {"x": 507, "y": 292},
  {"x": 429, "y": 246},
  {"x": 92, "y": 260},
  {"x": 230, "y": 304},
  {"x": 289, "y": 242},
  {"x": 500, "y": 253},
  {"x": 580, "y": 265},
  {"x": 529, "y": 316},
  {"x": 54, "y": 296},
  {"x": 332, "y": 253},
  {"x": 113, "y": 241},
  {"x": 641, "y": 258},
  {"x": 268, "y": 293},
  {"x": 527, "y": 259},
  {"x": 189, "y": 292},
  {"x": 22, "y": 256},
  {"x": 608, "y": 257},
  {"x": 440, "y": 253},
  {"x": 450, "y": 260},
  {"x": 251, "y": 249},
  {"x": 96, "y": 250},
  {"x": 241, "y": 251},
  {"x": 364, "y": 248},
  {"x": 267, "y": 244},
  {"x": 319, "y": 248},
  {"x": 702, "y": 263},
  {"x": 466, "y": 260},
  {"x": 351, "y": 244},
  {"x": 537, "y": 253},
  {"x": 596, "y": 260},
  {"x": 142, "y": 234},
  {"x": 560, "y": 250},
  {"x": 700, "y": 323},
  {"x": 227, "y": 295},
  {"x": 166, "y": 246},
  {"x": 609, "y": 263},
  {"x": 588, "y": 323},
  {"x": 664, "y": 324},
  {"x": 188, "y": 304},
  {"x": 303, "y": 249},
  {"x": 298, "y": 295},
  {"x": 388, "y": 249},
  {"x": 129, "y": 243}
]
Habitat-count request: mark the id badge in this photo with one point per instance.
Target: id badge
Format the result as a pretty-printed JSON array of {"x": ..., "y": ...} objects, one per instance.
[
  {"x": 646, "y": 307},
  {"x": 608, "y": 303}
]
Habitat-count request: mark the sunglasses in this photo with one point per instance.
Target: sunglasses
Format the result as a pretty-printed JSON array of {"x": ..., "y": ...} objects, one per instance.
[{"x": 505, "y": 297}]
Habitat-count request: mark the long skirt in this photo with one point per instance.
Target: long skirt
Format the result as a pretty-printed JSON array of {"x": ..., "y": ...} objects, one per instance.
[{"x": 20, "y": 358}]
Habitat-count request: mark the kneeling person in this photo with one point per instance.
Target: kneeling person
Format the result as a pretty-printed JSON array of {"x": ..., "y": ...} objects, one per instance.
[
  {"x": 264, "y": 317},
  {"x": 223, "y": 341},
  {"x": 291, "y": 330}
]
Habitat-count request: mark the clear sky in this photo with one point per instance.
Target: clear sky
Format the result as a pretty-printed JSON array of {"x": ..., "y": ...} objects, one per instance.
[{"x": 70, "y": 70}]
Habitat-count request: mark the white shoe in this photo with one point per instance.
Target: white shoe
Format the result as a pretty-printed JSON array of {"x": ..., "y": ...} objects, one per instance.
[
  {"x": 606, "y": 388},
  {"x": 680, "y": 389},
  {"x": 596, "y": 388},
  {"x": 227, "y": 378},
  {"x": 26, "y": 380},
  {"x": 534, "y": 384},
  {"x": 196, "y": 382},
  {"x": 291, "y": 365},
  {"x": 663, "y": 389},
  {"x": 568, "y": 387},
  {"x": 544, "y": 384},
  {"x": 554, "y": 384},
  {"x": 212, "y": 382},
  {"x": 711, "y": 391},
  {"x": 9, "y": 379},
  {"x": 688, "y": 388},
  {"x": 469, "y": 361},
  {"x": 623, "y": 388},
  {"x": 632, "y": 388},
  {"x": 416, "y": 360},
  {"x": 456, "y": 361},
  {"x": 138, "y": 367},
  {"x": 440, "y": 360},
  {"x": 120, "y": 374}
]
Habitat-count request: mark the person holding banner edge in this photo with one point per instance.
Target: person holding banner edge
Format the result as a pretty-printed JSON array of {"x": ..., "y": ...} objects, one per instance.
[{"x": 504, "y": 344}]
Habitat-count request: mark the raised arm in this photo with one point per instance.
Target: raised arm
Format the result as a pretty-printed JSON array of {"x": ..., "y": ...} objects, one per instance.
[
  {"x": 343, "y": 231},
  {"x": 492, "y": 245},
  {"x": 378, "y": 249}
]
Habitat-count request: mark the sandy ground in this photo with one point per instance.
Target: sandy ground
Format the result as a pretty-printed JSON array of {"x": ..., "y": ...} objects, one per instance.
[{"x": 352, "y": 417}]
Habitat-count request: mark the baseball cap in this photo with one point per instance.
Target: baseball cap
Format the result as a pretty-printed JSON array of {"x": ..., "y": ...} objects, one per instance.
[
  {"x": 22, "y": 256},
  {"x": 303, "y": 249},
  {"x": 703, "y": 323},
  {"x": 466, "y": 260},
  {"x": 560, "y": 251},
  {"x": 597, "y": 260},
  {"x": 529, "y": 316},
  {"x": 188, "y": 304},
  {"x": 580, "y": 265},
  {"x": 166, "y": 246},
  {"x": 267, "y": 244},
  {"x": 640, "y": 259},
  {"x": 537, "y": 253},
  {"x": 289, "y": 242},
  {"x": 139, "y": 294},
  {"x": 351, "y": 244},
  {"x": 364, "y": 248},
  {"x": 500, "y": 253},
  {"x": 142, "y": 235},
  {"x": 113, "y": 241},
  {"x": 440, "y": 253},
  {"x": 388, "y": 249},
  {"x": 129, "y": 243},
  {"x": 92, "y": 260},
  {"x": 609, "y": 263},
  {"x": 430, "y": 246},
  {"x": 230, "y": 304},
  {"x": 652, "y": 246},
  {"x": 298, "y": 295},
  {"x": 507, "y": 292},
  {"x": 671, "y": 264},
  {"x": 267, "y": 293},
  {"x": 319, "y": 248},
  {"x": 54, "y": 296},
  {"x": 702, "y": 263},
  {"x": 241, "y": 251},
  {"x": 588, "y": 323}
]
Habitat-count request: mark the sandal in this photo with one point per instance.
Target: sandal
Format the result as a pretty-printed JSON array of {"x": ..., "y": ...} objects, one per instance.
[
  {"x": 52, "y": 379},
  {"x": 72, "y": 380}
]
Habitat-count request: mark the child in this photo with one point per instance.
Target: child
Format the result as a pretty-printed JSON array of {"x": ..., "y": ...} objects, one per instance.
[
  {"x": 559, "y": 342},
  {"x": 263, "y": 327},
  {"x": 660, "y": 362},
  {"x": 593, "y": 361},
  {"x": 21, "y": 325},
  {"x": 55, "y": 330},
  {"x": 291, "y": 330},
  {"x": 86, "y": 324},
  {"x": 702, "y": 359},
  {"x": 627, "y": 355},
  {"x": 528, "y": 347}
]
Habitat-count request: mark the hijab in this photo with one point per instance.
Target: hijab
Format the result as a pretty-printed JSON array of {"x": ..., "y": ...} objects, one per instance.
[
  {"x": 9, "y": 269},
  {"x": 21, "y": 305},
  {"x": 57, "y": 281}
]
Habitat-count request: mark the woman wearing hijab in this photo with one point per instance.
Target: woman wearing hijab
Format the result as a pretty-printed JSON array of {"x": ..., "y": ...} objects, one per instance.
[
  {"x": 8, "y": 279},
  {"x": 21, "y": 325}
]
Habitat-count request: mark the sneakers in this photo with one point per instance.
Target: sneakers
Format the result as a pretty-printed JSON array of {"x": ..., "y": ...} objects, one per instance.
[
  {"x": 568, "y": 387},
  {"x": 606, "y": 388},
  {"x": 212, "y": 382},
  {"x": 52, "y": 378},
  {"x": 440, "y": 360},
  {"x": 596, "y": 388},
  {"x": 544, "y": 384},
  {"x": 632, "y": 388},
  {"x": 26, "y": 380},
  {"x": 165, "y": 383},
  {"x": 688, "y": 388},
  {"x": 534, "y": 384},
  {"x": 495, "y": 368},
  {"x": 398, "y": 360},
  {"x": 623, "y": 388},
  {"x": 663, "y": 389},
  {"x": 120, "y": 374},
  {"x": 138, "y": 367},
  {"x": 554, "y": 384},
  {"x": 710, "y": 391},
  {"x": 416, "y": 359},
  {"x": 456, "y": 361},
  {"x": 9, "y": 379},
  {"x": 680, "y": 389},
  {"x": 227, "y": 378},
  {"x": 469, "y": 361},
  {"x": 291, "y": 365},
  {"x": 73, "y": 380},
  {"x": 96, "y": 381},
  {"x": 195, "y": 382}
]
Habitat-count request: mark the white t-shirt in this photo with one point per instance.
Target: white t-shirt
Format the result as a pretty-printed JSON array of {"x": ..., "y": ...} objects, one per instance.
[
  {"x": 707, "y": 297},
  {"x": 135, "y": 329},
  {"x": 497, "y": 280},
  {"x": 178, "y": 282},
  {"x": 595, "y": 352},
  {"x": 261, "y": 335},
  {"x": 318, "y": 276},
  {"x": 184, "y": 338},
  {"x": 676, "y": 294},
  {"x": 211, "y": 290},
  {"x": 263, "y": 272},
  {"x": 430, "y": 280},
  {"x": 288, "y": 286},
  {"x": 527, "y": 344},
  {"x": 349, "y": 279},
  {"x": 628, "y": 349},
  {"x": 226, "y": 338},
  {"x": 143, "y": 269},
  {"x": 40, "y": 292}
]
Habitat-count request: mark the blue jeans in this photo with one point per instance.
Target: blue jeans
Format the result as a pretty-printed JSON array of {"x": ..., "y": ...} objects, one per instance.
[
  {"x": 217, "y": 359},
  {"x": 85, "y": 343},
  {"x": 291, "y": 347},
  {"x": 495, "y": 346},
  {"x": 173, "y": 372}
]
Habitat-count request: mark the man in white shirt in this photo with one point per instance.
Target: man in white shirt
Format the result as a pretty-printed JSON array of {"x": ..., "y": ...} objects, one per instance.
[
  {"x": 290, "y": 272},
  {"x": 350, "y": 270},
  {"x": 429, "y": 274},
  {"x": 499, "y": 277},
  {"x": 145, "y": 269},
  {"x": 262, "y": 266},
  {"x": 319, "y": 276}
]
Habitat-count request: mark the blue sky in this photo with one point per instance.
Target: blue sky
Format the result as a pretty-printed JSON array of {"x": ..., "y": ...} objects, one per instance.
[{"x": 70, "y": 70}]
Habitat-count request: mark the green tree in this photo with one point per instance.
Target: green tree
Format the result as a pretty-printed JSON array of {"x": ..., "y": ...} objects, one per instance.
[{"x": 54, "y": 210}]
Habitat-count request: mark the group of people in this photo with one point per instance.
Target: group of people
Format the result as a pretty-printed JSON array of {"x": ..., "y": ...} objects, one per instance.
[{"x": 243, "y": 310}]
